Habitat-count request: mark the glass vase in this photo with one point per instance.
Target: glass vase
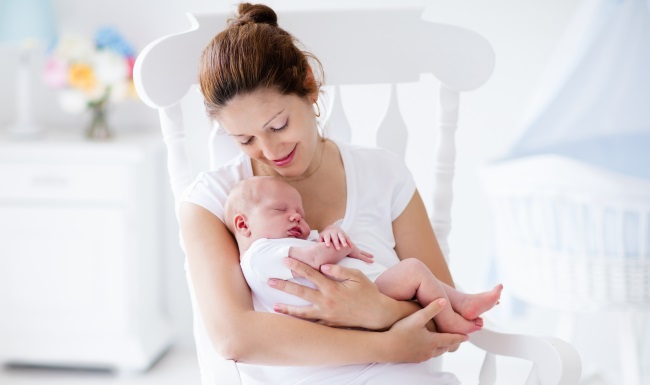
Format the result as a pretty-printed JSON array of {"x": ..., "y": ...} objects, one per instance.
[{"x": 98, "y": 128}]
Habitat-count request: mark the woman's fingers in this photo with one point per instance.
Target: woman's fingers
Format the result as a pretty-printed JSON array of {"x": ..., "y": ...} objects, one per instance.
[
  {"x": 300, "y": 291},
  {"x": 416, "y": 342},
  {"x": 423, "y": 316},
  {"x": 304, "y": 270},
  {"x": 304, "y": 312},
  {"x": 341, "y": 273}
]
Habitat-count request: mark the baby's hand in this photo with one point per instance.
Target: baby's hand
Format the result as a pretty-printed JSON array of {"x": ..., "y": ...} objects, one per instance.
[
  {"x": 362, "y": 255},
  {"x": 334, "y": 235}
]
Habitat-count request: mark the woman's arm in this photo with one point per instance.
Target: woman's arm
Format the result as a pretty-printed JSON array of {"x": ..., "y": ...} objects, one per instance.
[
  {"x": 414, "y": 238},
  {"x": 240, "y": 333}
]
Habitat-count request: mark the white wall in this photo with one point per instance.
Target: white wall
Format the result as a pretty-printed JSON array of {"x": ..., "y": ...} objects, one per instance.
[{"x": 523, "y": 33}]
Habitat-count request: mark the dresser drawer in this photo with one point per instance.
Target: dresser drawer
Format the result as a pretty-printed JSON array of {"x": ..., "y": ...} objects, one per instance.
[{"x": 65, "y": 182}]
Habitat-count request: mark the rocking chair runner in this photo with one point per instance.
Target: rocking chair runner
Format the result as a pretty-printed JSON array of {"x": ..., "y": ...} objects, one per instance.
[{"x": 460, "y": 59}]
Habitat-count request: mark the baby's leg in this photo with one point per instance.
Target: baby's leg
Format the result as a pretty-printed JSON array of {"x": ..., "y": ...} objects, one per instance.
[
  {"x": 471, "y": 306},
  {"x": 412, "y": 278}
]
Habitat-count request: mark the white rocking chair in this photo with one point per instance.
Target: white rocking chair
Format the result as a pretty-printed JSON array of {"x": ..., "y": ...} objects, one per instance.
[{"x": 363, "y": 47}]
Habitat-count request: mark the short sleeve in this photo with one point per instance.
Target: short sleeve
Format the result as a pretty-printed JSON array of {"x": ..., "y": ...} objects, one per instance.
[
  {"x": 403, "y": 185},
  {"x": 263, "y": 260},
  {"x": 210, "y": 189}
]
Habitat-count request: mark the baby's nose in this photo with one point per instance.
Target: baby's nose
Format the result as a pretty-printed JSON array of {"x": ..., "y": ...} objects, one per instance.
[{"x": 295, "y": 217}]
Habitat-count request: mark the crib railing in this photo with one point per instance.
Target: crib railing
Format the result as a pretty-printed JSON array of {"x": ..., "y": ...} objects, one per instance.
[{"x": 569, "y": 235}]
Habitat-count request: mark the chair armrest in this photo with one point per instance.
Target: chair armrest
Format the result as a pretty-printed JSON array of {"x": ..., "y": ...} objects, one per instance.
[{"x": 555, "y": 361}]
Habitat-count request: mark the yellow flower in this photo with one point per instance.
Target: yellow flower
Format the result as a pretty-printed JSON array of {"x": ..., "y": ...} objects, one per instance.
[{"x": 81, "y": 76}]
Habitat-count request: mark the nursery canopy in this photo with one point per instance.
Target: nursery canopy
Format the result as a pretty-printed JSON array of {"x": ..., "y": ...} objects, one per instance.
[{"x": 594, "y": 102}]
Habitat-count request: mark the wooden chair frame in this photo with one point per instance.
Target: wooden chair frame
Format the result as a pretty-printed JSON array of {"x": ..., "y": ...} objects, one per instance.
[{"x": 364, "y": 47}]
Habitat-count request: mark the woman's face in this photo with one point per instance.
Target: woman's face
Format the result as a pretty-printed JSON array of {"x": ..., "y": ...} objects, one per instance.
[{"x": 279, "y": 131}]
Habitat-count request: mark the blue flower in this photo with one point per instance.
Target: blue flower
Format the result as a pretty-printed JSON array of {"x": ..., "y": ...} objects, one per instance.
[{"x": 110, "y": 38}]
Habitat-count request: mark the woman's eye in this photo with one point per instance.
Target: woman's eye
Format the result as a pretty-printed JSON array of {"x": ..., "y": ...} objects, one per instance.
[
  {"x": 246, "y": 143},
  {"x": 280, "y": 128}
]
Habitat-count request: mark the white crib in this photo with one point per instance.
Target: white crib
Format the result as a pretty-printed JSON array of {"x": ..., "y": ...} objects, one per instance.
[{"x": 574, "y": 237}]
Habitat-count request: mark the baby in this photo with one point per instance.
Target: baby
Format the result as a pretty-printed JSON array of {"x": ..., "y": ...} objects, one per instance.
[{"x": 266, "y": 216}]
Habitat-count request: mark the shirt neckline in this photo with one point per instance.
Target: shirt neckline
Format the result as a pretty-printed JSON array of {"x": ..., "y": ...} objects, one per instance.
[{"x": 350, "y": 181}]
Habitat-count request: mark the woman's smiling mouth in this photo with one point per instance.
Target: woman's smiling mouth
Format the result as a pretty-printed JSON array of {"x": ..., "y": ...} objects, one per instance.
[{"x": 286, "y": 160}]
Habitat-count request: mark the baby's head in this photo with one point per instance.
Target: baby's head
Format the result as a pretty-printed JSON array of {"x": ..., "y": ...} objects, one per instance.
[{"x": 264, "y": 207}]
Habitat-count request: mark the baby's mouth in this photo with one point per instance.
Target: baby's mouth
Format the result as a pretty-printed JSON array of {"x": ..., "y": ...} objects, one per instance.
[{"x": 295, "y": 232}]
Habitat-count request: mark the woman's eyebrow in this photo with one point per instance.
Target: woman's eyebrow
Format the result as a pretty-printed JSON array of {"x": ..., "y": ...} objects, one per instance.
[
  {"x": 270, "y": 120},
  {"x": 264, "y": 125}
]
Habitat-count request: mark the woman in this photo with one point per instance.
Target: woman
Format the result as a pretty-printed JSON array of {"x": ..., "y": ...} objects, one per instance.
[{"x": 261, "y": 89}]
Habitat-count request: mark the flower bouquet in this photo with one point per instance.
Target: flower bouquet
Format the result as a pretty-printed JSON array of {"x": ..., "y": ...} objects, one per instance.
[{"x": 92, "y": 74}]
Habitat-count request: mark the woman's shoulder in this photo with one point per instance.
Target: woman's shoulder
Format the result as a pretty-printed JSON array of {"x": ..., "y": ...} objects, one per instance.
[
  {"x": 374, "y": 158},
  {"x": 210, "y": 188},
  {"x": 233, "y": 171}
]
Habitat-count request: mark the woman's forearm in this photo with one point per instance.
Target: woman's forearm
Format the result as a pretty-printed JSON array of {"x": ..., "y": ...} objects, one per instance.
[
  {"x": 270, "y": 339},
  {"x": 273, "y": 339},
  {"x": 238, "y": 332}
]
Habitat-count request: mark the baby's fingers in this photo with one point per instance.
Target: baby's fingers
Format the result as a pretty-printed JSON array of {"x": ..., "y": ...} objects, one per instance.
[
  {"x": 363, "y": 256},
  {"x": 326, "y": 238},
  {"x": 336, "y": 241},
  {"x": 366, "y": 256},
  {"x": 343, "y": 239}
]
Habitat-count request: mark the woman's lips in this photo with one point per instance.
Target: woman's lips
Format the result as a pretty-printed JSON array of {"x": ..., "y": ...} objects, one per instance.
[{"x": 286, "y": 160}]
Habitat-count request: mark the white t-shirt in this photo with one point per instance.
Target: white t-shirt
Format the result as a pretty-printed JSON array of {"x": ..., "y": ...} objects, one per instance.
[{"x": 379, "y": 187}]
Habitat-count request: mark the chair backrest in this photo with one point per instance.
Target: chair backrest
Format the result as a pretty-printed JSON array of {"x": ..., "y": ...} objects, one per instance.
[
  {"x": 366, "y": 47},
  {"x": 356, "y": 47}
]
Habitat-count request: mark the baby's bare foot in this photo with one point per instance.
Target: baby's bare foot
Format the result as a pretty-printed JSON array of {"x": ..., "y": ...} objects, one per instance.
[
  {"x": 454, "y": 323},
  {"x": 476, "y": 304}
]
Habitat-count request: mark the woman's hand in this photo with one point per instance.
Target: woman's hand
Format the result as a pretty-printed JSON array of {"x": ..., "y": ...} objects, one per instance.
[
  {"x": 413, "y": 342},
  {"x": 343, "y": 298}
]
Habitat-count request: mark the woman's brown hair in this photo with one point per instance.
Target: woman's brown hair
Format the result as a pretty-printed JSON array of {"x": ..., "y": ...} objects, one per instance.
[{"x": 253, "y": 53}]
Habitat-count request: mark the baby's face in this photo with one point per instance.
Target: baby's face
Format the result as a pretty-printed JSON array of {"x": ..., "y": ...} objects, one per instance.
[{"x": 278, "y": 214}]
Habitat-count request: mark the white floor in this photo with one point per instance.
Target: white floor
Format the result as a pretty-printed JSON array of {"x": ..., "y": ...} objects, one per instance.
[{"x": 178, "y": 366}]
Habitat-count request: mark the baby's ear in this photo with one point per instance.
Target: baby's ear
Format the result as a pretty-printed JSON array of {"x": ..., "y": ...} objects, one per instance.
[{"x": 241, "y": 225}]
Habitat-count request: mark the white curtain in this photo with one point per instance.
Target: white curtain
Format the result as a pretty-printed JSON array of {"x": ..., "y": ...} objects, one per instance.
[{"x": 594, "y": 102}]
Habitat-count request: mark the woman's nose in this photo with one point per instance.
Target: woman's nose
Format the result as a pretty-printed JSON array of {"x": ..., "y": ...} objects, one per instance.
[{"x": 269, "y": 151}]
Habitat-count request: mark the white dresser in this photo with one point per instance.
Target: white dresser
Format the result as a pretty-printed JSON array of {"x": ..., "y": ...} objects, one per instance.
[{"x": 81, "y": 236}]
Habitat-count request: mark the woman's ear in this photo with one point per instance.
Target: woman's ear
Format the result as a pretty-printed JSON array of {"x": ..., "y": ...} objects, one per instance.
[{"x": 241, "y": 225}]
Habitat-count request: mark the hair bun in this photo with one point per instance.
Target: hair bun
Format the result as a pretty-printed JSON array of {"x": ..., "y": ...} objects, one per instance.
[{"x": 254, "y": 14}]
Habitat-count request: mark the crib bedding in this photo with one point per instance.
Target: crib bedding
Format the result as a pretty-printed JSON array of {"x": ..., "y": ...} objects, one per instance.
[
  {"x": 626, "y": 154},
  {"x": 573, "y": 223}
]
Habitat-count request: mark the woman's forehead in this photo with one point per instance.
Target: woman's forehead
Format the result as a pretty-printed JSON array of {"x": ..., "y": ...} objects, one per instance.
[{"x": 253, "y": 110}]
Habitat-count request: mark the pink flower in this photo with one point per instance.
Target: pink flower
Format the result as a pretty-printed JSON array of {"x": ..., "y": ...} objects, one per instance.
[
  {"x": 55, "y": 73},
  {"x": 131, "y": 61}
]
